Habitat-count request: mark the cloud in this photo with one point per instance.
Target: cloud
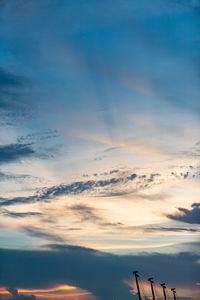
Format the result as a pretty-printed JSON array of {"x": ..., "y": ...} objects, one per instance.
[
  {"x": 113, "y": 171},
  {"x": 11, "y": 176},
  {"x": 191, "y": 5},
  {"x": 123, "y": 184},
  {"x": 12, "y": 214},
  {"x": 151, "y": 179},
  {"x": 38, "y": 136},
  {"x": 10, "y": 101},
  {"x": 40, "y": 233},
  {"x": 63, "y": 189},
  {"x": 112, "y": 194},
  {"x": 191, "y": 216},
  {"x": 17, "y": 296},
  {"x": 8, "y": 79},
  {"x": 147, "y": 229},
  {"x": 95, "y": 271},
  {"x": 15, "y": 152},
  {"x": 173, "y": 229},
  {"x": 21, "y": 178},
  {"x": 18, "y": 200},
  {"x": 86, "y": 213}
]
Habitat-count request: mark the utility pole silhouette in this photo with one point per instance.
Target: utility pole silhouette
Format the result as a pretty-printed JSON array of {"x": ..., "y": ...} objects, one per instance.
[
  {"x": 164, "y": 288},
  {"x": 152, "y": 290},
  {"x": 174, "y": 293},
  {"x": 135, "y": 273}
]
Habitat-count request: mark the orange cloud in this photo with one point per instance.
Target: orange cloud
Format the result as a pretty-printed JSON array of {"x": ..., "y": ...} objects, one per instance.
[{"x": 60, "y": 292}]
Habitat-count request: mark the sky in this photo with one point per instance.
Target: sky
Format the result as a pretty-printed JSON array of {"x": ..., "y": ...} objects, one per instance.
[{"x": 99, "y": 148}]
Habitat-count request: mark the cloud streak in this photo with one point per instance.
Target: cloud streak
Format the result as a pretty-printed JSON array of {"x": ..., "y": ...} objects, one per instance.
[
  {"x": 172, "y": 229},
  {"x": 11, "y": 176},
  {"x": 42, "y": 234},
  {"x": 13, "y": 214}
]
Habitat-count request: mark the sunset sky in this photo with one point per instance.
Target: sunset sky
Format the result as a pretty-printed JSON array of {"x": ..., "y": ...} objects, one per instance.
[{"x": 99, "y": 148}]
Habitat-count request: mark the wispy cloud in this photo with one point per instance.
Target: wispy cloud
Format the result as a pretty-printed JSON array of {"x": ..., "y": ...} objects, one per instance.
[
  {"x": 41, "y": 233},
  {"x": 11, "y": 176},
  {"x": 172, "y": 229},
  {"x": 7, "y": 81},
  {"x": 13, "y": 214},
  {"x": 86, "y": 213},
  {"x": 12, "y": 103},
  {"x": 37, "y": 136}
]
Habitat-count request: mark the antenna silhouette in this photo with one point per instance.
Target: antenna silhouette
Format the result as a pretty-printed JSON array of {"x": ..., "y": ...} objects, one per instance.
[
  {"x": 135, "y": 273},
  {"x": 174, "y": 293},
  {"x": 164, "y": 288},
  {"x": 152, "y": 290}
]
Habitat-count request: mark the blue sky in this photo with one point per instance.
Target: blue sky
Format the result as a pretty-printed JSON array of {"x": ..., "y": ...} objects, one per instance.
[{"x": 99, "y": 143}]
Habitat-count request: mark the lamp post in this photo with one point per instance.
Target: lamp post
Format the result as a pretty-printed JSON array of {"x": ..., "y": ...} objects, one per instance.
[
  {"x": 174, "y": 293},
  {"x": 152, "y": 289},
  {"x": 164, "y": 288},
  {"x": 135, "y": 273}
]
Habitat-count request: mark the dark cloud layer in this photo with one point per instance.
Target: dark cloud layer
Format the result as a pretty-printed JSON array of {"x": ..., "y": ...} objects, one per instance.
[
  {"x": 191, "y": 216},
  {"x": 15, "y": 152},
  {"x": 102, "y": 274}
]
